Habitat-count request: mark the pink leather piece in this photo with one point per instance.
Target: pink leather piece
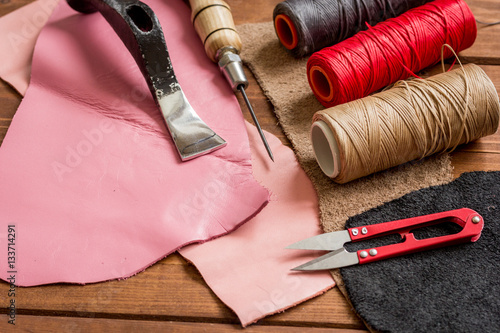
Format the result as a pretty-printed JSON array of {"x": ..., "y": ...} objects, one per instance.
[
  {"x": 249, "y": 269},
  {"x": 20, "y": 29},
  {"x": 90, "y": 177}
]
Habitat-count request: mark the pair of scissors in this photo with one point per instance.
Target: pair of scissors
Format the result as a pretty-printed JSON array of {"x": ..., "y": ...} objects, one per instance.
[{"x": 470, "y": 221}]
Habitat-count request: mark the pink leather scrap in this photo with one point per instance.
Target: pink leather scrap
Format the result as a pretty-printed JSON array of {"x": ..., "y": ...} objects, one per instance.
[
  {"x": 249, "y": 270},
  {"x": 20, "y": 30},
  {"x": 89, "y": 177}
]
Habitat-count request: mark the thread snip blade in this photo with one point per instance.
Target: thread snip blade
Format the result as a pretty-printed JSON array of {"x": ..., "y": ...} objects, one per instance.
[
  {"x": 330, "y": 241},
  {"x": 334, "y": 259}
]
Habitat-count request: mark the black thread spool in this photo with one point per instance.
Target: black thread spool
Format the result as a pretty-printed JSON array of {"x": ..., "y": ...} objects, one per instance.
[{"x": 305, "y": 26}]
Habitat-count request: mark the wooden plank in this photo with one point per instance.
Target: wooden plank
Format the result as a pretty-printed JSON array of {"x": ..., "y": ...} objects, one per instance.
[
  {"x": 254, "y": 11},
  {"x": 464, "y": 161},
  {"x": 489, "y": 144},
  {"x": 486, "y": 48},
  {"x": 48, "y": 324},
  {"x": 10, "y": 100},
  {"x": 169, "y": 290},
  {"x": 7, "y": 6}
]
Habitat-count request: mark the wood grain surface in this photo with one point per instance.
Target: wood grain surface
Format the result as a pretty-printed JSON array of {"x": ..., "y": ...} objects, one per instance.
[{"x": 171, "y": 295}]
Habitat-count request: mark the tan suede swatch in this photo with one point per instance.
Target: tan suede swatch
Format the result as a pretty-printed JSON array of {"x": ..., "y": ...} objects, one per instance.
[{"x": 283, "y": 80}]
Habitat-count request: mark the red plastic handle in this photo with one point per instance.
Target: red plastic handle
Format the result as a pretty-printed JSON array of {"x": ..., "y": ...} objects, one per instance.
[{"x": 470, "y": 220}]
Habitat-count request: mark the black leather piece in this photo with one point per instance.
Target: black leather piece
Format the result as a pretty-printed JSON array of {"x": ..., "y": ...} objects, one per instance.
[{"x": 452, "y": 289}]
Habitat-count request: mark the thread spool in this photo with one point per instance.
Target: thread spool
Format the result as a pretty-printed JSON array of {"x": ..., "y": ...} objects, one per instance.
[
  {"x": 390, "y": 51},
  {"x": 305, "y": 26},
  {"x": 412, "y": 120}
]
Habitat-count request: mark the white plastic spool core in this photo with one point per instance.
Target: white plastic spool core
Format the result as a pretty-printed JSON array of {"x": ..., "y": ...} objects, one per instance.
[{"x": 325, "y": 148}]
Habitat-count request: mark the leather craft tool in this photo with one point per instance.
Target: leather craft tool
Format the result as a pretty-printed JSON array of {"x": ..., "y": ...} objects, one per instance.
[
  {"x": 141, "y": 32},
  {"x": 214, "y": 24},
  {"x": 471, "y": 222}
]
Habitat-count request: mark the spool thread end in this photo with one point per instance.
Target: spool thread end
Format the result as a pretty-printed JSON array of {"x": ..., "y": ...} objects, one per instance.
[
  {"x": 321, "y": 84},
  {"x": 286, "y": 31},
  {"x": 325, "y": 148}
]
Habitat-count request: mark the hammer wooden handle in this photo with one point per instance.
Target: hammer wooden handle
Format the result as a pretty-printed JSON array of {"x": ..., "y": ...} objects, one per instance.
[{"x": 214, "y": 24}]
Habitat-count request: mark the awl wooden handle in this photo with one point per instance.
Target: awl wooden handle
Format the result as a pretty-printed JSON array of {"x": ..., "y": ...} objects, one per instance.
[{"x": 214, "y": 24}]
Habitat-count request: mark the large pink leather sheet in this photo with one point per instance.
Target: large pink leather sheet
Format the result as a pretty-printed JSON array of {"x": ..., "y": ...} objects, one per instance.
[
  {"x": 250, "y": 268},
  {"x": 89, "y": 176},
  {"x": 233, "y": 265}
]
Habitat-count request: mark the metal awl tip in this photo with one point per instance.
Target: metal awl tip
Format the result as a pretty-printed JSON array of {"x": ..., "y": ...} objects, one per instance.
[{"x": 261, "y": 133}]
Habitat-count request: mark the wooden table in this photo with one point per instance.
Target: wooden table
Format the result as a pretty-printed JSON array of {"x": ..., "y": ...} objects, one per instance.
[{"x": 171, "y": 295}]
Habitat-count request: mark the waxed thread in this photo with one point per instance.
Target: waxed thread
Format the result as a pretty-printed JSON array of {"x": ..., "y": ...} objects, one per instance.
[
  {"x": 322, "y": 23},
  {"x": 393, "y": 50},
  {"x": 414, "y": 119},
  {"x": 465, "y": 112},
  {"x": 487, "y": 23}
]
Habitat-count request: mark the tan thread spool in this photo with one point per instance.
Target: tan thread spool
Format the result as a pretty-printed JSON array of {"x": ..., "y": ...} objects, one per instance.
[{"x": 412, "y": 120}]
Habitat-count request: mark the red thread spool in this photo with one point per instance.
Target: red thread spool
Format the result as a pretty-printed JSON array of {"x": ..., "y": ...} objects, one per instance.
[{"x": 390, "y": 51}]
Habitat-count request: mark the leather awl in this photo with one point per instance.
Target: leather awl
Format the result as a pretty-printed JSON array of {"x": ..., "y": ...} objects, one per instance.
[
  {"x": 141, "y": 32},
  {"x": 213, "y": 21}
]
